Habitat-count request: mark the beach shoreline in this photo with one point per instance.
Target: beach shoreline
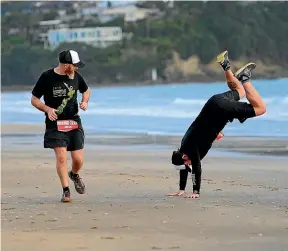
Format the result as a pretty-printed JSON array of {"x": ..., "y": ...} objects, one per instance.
[{"x": 252, "y": 145}]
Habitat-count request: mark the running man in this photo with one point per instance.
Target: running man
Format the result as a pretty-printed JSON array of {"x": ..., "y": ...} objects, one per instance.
[
  {"x": 216, "y": 113},
  {"x": 64, "y": 131}
]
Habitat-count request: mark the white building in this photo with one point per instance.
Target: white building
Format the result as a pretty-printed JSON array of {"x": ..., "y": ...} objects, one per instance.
[
  {"x": 130, "y": 13},
  {"x": 45, "y": 26},
  {"x": 95, "y": 36}
]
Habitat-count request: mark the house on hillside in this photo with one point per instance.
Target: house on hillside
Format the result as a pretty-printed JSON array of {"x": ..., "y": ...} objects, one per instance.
[
  {"x": 130, "y": 13},
  {"x": 95, "y": 36},
  {"x": 45, "y": 26},
  {"x": 100, "y": 6}
]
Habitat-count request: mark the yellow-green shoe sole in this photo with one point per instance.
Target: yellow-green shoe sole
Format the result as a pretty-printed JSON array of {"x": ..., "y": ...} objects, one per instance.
[
  {"x": 221, "y": 57},
  {"x": 244, "y": 67}
]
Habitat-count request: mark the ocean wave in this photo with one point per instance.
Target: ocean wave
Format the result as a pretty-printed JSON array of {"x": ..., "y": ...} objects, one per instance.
[
  {"x": 285, "y": 100},
  {"x": 181, "y": 101},
  {"x": 17, "y": 110},
  {"x": 114, "y": 111},
  {"x": 276, "y": 113},
  {"x": 267, "y": 100},
  {"x": 162, "y": 112},
  {"x": 132, "y": 130},
  {"x": 273, "y": 116},
  {"x": 181, "y": 108}
]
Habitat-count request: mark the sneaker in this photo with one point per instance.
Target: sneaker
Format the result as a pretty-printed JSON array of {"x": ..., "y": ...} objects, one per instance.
[
  {"x": 78, "y": 183},
  {"x": 223, "y": 60},
  {"x": 66, "y": 197},
  {"x": 244, "y": 73}
]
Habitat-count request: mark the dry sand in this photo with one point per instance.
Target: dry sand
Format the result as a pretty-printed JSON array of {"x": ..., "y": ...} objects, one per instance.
[{"x": 243, "y": 204}]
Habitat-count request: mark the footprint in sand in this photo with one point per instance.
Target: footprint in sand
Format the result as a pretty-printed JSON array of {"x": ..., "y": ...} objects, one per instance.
[
  {"x": 118, "y": 227},
  {"x": 107, "y": 238},
  {"x": 53, "y": 220},
  {"x": 41, "y": 214},
  {"x": 157, "y": 248}
]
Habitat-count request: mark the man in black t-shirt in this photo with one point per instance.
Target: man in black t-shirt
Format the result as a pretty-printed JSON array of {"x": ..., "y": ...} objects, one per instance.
[
  {"x": 64, "y": 132},
  {"x": 216, "y": 113}
]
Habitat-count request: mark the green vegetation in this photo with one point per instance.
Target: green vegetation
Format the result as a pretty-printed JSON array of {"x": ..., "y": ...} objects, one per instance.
[{"x": 250, "y": 31}]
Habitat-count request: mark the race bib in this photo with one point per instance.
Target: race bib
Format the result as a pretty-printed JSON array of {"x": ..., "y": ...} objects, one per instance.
[
  {"x": 66, "y": 125},
  {"x": 220, "y": 135}
]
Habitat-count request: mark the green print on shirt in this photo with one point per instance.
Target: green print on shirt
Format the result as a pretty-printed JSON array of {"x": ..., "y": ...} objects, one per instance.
[{"x": 70, "y": 94}]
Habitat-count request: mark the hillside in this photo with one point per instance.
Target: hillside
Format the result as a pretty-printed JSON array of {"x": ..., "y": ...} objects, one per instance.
[{"x": 181, "y": 45}]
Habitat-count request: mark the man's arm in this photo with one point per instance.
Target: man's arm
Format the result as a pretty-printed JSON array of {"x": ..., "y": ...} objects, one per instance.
[
  {"x": 182, "y": 183},
  {"x": 194, "y": 158},
  {"x": 196, "y": 176},
  {"x": 37, "y": 92},
  {"x": 36, "y": 102},
  {"x": 183, "y": 179},
  {"x": 85, "y": 90},
  {"x": 86, "y": 95},
  {"x": 85, "y": 99}
]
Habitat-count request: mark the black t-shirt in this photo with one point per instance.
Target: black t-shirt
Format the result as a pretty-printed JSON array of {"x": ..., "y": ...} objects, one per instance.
[
  {"x": 60, "y": 92},
  {"x": 216, "y": 113},
  {"x": 204, "y": 128}
]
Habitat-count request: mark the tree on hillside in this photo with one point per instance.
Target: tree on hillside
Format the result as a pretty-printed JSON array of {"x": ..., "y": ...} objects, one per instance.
[{"x": 254, "y": 30}]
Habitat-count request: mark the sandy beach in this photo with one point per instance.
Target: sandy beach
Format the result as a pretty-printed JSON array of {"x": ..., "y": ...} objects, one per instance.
[{"x": 243, "y": 204}]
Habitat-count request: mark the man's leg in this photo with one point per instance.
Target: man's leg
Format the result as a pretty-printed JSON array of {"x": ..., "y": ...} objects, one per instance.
[
  {"x": 76, "y": 144},
  {"x": 61, "y": 166},
  {"x": 232, "y": 82},
  {"x": 254, "y": 98},
  {"x": 77, "y": 160},
  {"x": 252, "y": 95}
]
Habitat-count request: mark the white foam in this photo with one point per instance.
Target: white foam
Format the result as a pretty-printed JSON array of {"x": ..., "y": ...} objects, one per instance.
[
  {"x": 181, "y": 101},
  {"x": 176, "y": 108},
  {"x": 19, "y": 109},
  {"x": 285, "y": 100},
  {"x": 162, "y": 112}
]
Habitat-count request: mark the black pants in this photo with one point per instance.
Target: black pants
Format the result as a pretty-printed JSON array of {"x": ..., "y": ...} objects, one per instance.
[{"x": 73, "y": 140}]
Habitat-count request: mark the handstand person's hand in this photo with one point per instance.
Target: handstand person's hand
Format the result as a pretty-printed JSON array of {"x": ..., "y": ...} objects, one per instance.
[
  {"x": 192, "y": 195},
  {"x": 178, "y": 193}
]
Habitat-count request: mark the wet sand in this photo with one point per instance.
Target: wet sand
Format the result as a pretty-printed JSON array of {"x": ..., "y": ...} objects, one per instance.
[
  {"x": 243, "y": 204},
  {"x": 262, "y": 146}
]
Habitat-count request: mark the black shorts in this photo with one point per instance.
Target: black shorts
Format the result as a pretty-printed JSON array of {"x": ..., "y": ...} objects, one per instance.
[
  {"x": 230, "y": 104},
  {"x": 73, "y": 140}
]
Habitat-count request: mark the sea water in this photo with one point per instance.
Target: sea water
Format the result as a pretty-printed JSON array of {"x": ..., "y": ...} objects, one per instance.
[{"x": 159, "y": 109}]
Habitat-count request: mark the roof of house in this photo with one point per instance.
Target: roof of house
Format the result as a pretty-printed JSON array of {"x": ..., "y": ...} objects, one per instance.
[{"x": 126, "y": 9}]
